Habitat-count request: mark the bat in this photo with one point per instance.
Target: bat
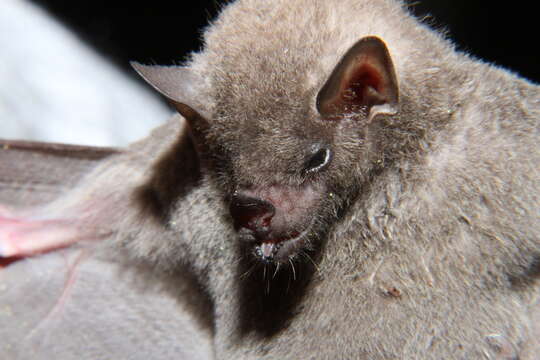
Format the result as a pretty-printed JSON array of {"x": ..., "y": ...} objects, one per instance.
[{"x": 341, "y": 184}]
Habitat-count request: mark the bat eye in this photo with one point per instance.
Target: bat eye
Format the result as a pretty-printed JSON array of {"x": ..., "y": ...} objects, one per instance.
[{"x": 318, "y": 160}]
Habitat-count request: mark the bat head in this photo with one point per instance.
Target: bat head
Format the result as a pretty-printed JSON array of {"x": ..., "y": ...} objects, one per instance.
[{"x": 289, "y": 158}]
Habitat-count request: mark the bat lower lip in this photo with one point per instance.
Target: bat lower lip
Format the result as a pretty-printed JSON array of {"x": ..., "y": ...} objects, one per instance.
[
  {"x": 281, "y": 249},
  {"x": 278, "y": 241}
]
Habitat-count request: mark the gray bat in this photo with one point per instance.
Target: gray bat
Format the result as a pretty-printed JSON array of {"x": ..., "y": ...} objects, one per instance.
[{"x": 343, "y": 184}]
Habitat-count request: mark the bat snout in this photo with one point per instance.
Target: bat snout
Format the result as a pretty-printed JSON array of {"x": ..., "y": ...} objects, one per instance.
[
  {"x": 251, "y": 213},
  {"x": 272, "y": 214}
]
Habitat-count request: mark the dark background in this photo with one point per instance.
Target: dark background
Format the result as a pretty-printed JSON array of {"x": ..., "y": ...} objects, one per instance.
[{"x": 164, "y": 31}]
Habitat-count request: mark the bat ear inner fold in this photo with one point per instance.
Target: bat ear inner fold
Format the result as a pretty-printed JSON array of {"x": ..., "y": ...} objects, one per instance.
[{"x": 363, "y": 82}]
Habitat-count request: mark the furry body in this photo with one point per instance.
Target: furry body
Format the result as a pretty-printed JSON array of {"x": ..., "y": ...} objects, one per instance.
[{"x": 425, "y": 239}]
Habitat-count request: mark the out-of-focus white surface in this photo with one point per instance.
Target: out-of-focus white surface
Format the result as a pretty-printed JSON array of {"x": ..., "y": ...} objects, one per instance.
[{"x": 54, "y": 88}]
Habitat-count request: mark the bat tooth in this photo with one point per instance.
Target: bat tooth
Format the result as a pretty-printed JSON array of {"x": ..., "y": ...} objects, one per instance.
[{"x": 267, "y": 250}]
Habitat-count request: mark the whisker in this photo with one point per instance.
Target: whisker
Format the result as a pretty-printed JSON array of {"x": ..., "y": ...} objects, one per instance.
[
  {"x": 294, "y": 271},
  {"x": 275, "y": 271},
  {"x": 248, "y": 272},
  {"x": 237, "y": 261},
  {"x": 311, "y": 260},
  {"x": 288, "y": 284}
]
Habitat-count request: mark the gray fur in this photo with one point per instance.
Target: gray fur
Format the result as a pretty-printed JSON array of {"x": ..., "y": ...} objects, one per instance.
[{"x": 424, "y": 237}]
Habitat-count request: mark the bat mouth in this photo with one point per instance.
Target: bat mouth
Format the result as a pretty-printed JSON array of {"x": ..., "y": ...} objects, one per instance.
[{"x": 281, "y": 249}]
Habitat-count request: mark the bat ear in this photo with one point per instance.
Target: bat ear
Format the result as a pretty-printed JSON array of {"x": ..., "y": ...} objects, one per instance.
[
  {"x": 363, "y": 81},
  {"x": 176, "y": 83}
]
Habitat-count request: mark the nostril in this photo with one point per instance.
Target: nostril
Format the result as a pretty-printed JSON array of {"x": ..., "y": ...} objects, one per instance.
[
  {"x": 318, "y": 160},
  {"x": 251, "y": 213}
]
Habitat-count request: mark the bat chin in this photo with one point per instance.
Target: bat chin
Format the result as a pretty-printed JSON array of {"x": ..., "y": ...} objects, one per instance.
[{"x": 280, "y": 250}]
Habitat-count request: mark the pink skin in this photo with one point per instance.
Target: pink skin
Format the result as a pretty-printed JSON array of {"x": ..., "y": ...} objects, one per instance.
[
  {"x": 27, "y": 235},
  {"x": 292, "y": 205},
  {"x": 290, "y": 222},
  {"x": 21, "y": 237}
]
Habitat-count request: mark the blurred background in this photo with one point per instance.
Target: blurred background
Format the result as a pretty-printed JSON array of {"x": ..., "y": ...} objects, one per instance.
[
  {"x": 64, "y": 64},
  {"x": 163, "y": 31}
]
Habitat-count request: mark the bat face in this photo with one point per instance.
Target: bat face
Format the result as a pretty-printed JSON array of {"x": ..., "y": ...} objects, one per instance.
[
  {"x": 291, "y": 161},
  {"x": 280, "y": 176}
]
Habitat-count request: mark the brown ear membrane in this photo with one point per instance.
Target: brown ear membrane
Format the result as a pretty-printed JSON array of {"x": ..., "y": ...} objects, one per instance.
[
  {"x": 174, "y": 82},
  {"x": 363, "y": 81}
]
